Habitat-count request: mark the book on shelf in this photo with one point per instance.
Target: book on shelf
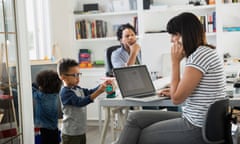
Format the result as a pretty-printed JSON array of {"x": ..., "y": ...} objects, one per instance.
[
  {"x": 99, "y": 28},
  {"x": 230, "y": 1},
  {"x": 135, "y": 24},
  {"x": 214, "y": 21},
  {"x": 77, "y": 30},
  {"x": 230, "y": 29},
  {"x": 208, "y": 22},
  {"x": 85, "y": 29},
  {"x": 203, "y": 20},
  {"x": 93, "y": 29}
]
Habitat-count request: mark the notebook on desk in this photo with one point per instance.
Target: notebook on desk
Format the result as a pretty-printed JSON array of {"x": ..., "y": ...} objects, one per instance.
[{"x": 135, "y": 83}]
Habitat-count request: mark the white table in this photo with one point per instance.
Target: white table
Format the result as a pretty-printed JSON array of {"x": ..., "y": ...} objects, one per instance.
[{"x": 113, "y": 103}]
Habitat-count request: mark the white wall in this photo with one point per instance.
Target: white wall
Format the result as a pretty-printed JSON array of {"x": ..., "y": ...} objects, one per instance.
[{"x": 62, "y": 26}]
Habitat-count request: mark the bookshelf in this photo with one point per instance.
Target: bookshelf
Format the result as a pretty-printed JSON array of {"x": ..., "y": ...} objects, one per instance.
[
  {"x": 111, "y": 18},
  {"x": 151, "y": 23}
]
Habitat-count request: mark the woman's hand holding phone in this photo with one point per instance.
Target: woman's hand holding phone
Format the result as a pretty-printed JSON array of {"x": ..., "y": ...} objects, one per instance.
[{"x": 177, "y": 51}]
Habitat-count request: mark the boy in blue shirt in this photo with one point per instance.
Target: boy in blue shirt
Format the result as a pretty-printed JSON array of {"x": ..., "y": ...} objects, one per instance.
[{"x": 74, "y": 101}]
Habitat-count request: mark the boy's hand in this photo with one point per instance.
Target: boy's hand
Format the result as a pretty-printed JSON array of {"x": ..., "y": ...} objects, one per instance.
[
  {"x": 101, "y": 89},
  {"x": 103, "y": 86}
]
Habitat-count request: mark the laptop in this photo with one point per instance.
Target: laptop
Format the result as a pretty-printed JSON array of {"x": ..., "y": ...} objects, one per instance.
[{"x": 135, "y": 84}]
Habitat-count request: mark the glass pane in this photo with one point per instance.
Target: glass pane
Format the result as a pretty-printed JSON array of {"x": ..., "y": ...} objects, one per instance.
[
  {"x": 9, "y": 95},
  {"x": 1, "y": 17},
  {"x": 10, "y": 17},
  {"x": 11, "y": 47}
]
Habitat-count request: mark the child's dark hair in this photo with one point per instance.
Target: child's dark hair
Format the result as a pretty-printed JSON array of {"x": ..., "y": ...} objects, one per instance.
[
  {"x": 64, "y": 65},
  {"x": 121, "y": 28},
  {"x": 48, "y": 81}
]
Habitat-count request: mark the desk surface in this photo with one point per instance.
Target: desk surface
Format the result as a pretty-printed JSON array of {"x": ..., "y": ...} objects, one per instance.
[
  {"x": 115, "y": 102},
  {"x": 234, "y": 101}
]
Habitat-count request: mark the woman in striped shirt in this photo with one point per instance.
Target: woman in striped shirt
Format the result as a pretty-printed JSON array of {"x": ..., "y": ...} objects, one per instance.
[{"x": 201, "y": 84}]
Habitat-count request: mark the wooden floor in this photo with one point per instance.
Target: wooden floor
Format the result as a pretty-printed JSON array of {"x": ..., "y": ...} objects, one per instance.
[{"x": 93, "y": 135}]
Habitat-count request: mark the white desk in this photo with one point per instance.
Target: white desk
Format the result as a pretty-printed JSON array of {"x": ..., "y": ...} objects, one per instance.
[{"x": 108, "y": 104}]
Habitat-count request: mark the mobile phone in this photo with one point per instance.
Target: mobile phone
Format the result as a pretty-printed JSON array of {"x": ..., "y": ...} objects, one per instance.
[{"x": 180, "y": 40}]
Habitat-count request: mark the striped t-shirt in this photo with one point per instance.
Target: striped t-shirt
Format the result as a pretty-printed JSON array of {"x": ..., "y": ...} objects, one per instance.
[{"x": 210, "y": 88}]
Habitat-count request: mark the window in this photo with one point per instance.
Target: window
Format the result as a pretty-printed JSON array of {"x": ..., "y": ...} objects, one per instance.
[{"x": 39, "y": 38}]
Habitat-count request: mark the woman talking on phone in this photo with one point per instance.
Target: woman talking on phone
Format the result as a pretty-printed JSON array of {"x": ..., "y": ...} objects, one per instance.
[{"x": 201, "y": 83}]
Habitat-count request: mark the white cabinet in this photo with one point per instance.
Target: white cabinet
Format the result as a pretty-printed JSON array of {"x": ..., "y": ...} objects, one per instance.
[{"x": 90, "y": 79}]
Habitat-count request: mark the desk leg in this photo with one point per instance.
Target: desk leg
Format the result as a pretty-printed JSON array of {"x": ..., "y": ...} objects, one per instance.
[
  {"x": 100, "y": 117},
  {"x": 106, "y": 123}
]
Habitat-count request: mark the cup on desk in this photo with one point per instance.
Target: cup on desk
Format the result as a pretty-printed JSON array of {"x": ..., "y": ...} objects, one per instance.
[
  {"x": 110, "y": 90},
  {"x": 111, "y": 87}
]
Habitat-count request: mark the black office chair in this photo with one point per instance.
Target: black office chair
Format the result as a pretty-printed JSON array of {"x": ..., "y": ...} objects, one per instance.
[
  {"x": 217, "y": 124},
  {"x": 108, "y": 63}
]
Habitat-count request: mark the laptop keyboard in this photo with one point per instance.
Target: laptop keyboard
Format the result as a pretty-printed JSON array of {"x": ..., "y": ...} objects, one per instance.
[{"x": 150, "y": 95}]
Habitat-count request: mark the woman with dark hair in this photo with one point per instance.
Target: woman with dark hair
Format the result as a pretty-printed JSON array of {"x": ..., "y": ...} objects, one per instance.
[
  {"x": 201, "y": 84},
  {"x": 129, "y": 52}
]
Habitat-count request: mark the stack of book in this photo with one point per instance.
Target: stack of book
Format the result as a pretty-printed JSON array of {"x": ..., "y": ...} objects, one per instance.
[
  {"x": 85, "y": 58},
  {"x": 209, "y": 22},
  {"x": 90, "y": 29}
]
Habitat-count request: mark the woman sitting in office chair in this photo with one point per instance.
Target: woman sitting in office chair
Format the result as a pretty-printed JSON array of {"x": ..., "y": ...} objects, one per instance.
[{"x": 201, "y": 84}]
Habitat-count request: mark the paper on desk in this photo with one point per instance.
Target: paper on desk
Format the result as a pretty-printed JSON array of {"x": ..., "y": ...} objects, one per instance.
[{"x": 162, "y": 82}]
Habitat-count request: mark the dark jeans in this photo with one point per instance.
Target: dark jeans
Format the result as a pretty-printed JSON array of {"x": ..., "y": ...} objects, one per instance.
[
  {"x": 49, "y": 136},
  {"x": 78, "y": 139}
]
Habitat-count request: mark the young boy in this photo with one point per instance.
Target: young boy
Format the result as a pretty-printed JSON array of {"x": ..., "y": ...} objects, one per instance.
[
  {"x": 74, "y": 100},
  {"x": 45, "y": 98}
]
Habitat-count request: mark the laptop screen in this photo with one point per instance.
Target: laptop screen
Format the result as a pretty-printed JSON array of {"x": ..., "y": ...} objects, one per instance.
[{"x": 134, "y": 80}]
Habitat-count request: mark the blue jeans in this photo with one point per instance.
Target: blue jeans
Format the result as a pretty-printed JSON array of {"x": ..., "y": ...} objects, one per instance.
[{"x": 159, "y": 127}]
